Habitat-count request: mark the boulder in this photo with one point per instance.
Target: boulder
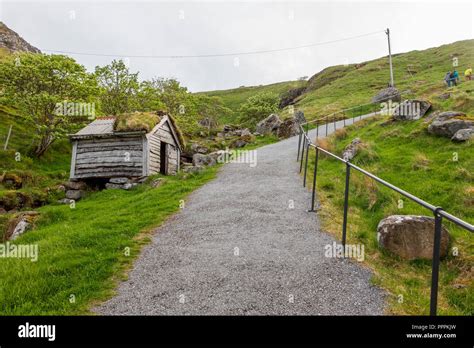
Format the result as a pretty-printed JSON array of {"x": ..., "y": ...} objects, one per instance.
[
  {"x": 20, "y": 224},
  {"x": 75, "y": 185},
  {"x": 208, "y": 123},
  {"x": 410, "y": 236},
  {"x": 389, "y": 93},
  {"x": 448, "y": 123},
  {"x": 269, "y": 125},
  {"x": 411, "y": 110},
  {"x": 74, "y": 194},
  {"x": 120, "y": 180},
  {"x": 288, "y": 128},
  {"x": 299, "y": 116},
  {"x": 463, "y": 134},
  {"x": 203, "y": 160},
  {"x": 351, "y": 150},
  {"x": 238, "y": 143},
  {"x": 198, "y": 148},
  {"x": 112, "y": 186},
  {"x": 245, "y": 132}
]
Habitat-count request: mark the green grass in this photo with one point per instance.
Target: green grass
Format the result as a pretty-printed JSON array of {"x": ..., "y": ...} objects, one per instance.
[
  {"x": 82, "y": 250},
  {"x": 407, "y": 156},
  {"x": 233, "y": 98}
]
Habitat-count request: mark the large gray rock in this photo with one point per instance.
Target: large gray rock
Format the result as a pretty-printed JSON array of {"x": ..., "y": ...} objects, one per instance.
[
  {"x": 463, "y": 134},
  {"x": 20, "y": 224},
  {"x": 410, "y": 236},
  {"x": 198, "y": 148},
  {"x": 119, "y": 180},
  {"x": 269, "y": 125},
  {"x": 74, "y": 194},
  {"x": 288, "y": 128},
  {"x": 448, "y": 123},
  {"x": 351, "y": 150},
  {"x": 411, "y": 110},
  {"x": 389, "y": 93},
  {"x": 203, "y": 160}
]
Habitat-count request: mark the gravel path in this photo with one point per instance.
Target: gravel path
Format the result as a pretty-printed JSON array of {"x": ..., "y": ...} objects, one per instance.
[{"x": 238, "y": 248}]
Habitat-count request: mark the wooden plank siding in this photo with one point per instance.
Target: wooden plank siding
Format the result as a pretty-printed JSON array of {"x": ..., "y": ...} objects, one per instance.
[
  {"x": 110, "y": 157},
  {"x": 131, "y": 154},
  {"x": 162, "y": 133}
]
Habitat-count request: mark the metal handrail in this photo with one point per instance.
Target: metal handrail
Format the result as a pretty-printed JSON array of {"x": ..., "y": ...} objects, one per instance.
[{"x": 438, "y": 212}]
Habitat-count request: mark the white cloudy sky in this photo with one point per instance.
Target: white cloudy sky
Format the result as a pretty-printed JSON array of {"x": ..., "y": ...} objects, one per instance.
[{"x": 144, "y": 28}]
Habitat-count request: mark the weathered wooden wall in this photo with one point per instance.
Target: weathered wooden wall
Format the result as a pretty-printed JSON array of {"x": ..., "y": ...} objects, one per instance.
[
  {"x": 108, "y": 157},
  {"x": 162, "y": 134}
]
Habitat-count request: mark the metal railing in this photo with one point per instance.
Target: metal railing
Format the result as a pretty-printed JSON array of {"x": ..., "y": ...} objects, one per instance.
[{"x": 304, "y": 146}]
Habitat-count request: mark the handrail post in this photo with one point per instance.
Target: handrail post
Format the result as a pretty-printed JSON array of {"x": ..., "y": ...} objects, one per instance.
[
  {"x": 346, "y": 206},
  {"x": 344, "y": 117},
  {"x": 315, "y": 173},
  {"x": 299, "y": 145},
  {"x": 326, "y": 127},
  {"x": 435, "y": 262},
  {"x": 302, "y": 153},
  {"x": 334, "y": 122},
  {"x": 306, "y": 164}
]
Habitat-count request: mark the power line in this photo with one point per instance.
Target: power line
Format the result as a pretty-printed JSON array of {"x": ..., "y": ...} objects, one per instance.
[{"x": 215, "y": 55}]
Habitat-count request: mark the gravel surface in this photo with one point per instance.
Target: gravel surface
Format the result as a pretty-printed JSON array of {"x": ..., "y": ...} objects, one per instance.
[{"x": 238, "y": 248}]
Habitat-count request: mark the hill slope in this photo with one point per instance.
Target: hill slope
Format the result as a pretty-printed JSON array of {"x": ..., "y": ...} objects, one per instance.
[{"x": 417, "y": 73}]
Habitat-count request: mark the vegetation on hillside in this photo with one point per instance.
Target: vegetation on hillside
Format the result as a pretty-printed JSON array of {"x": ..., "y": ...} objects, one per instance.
[{"x": 430, "y": 167}]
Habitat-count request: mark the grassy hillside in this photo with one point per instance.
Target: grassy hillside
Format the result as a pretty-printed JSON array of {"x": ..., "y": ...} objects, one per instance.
[
  {"x": 417, "y": 74},
  {"x": 406, "y": 155},
  {"x": 84, "y": 251},
  {"x": 233, "y": 98}
]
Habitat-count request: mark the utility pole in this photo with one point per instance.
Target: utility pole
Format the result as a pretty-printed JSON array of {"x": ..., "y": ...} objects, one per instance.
[{"x": 392, "y": 84}]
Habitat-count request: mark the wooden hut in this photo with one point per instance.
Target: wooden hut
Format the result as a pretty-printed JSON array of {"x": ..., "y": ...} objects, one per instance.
[{"x": 107, "y": 149}]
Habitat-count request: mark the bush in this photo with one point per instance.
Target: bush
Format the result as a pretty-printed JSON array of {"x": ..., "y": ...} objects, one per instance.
[{"x": 258, "y": 107}]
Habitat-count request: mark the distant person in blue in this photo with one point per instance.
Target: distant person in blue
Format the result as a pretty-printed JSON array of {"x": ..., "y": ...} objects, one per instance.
[
  {"x": 447, "y": 78},
  {"x": 455, "y": 77}
]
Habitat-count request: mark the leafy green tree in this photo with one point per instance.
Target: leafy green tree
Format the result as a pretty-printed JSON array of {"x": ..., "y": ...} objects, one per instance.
[
  {"x": 257, "y": 107},
  {"x": 119, "y": 88},
  {"x": 35, "y": 84}
]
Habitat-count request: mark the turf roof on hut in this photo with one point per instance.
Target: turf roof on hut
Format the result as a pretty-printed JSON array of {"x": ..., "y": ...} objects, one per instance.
[{"x": 144, "y": 121}]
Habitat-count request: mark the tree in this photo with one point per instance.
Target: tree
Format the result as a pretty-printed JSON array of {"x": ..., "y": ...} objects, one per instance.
[
  {"x": 119, "y": 88},
  {"x": 35, "y": 84},
  {"x": 257, "y": 107}
]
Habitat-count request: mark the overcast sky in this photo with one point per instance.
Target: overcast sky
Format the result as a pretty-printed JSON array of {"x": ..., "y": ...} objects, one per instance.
[{"x": 146, "y": 28}]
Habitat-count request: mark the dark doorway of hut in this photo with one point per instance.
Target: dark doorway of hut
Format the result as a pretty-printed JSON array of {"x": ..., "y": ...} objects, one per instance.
[{"x": 163, "y": 159}]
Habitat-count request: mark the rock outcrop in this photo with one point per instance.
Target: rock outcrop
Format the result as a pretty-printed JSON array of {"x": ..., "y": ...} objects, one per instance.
[
  {"x": 411, "y": 110},
  {"x": 410, "y": 236},
  {"x": 269, "y": 125},
  {"x": 448, "y": 123},
  {"x": 288, "y": 128},
  {"x": 351, "y": 150},
  {"x": 13, "y": 42},
  {"x": 389, "y": 93}
]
